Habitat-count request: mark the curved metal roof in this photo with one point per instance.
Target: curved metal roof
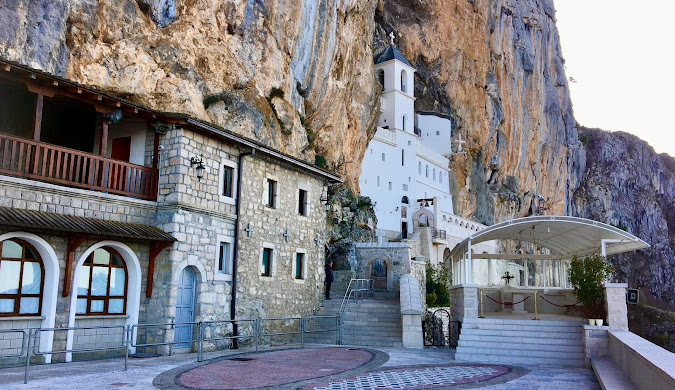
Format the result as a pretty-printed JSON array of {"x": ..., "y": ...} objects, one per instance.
[{"x": 564, "y": 236}]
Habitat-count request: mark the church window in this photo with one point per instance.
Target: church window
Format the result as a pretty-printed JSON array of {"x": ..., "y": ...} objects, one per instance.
[
  {"x": 438, "y": 132},
  {"x": 225, "y": 258},
  {"x": 403, "y": 121},
  {"x": 271, "y": 193},
  {"x": 102, "y": 283},
  {"x": 21, "y": 279},
  {"x": 419, "y": 168},
  {"x": 404, "y": 81},
  {"x": 227, "y": 181},
  {"x": 380, "y": 78},
  {"x": 267, "y": 258},
  {"x": 402, "y": 157},
  {"x": 434, "y": 174},
  {"x": 302, "y": 202},
  {"x": 390, "y": 186},
  {"x": 405, "y": 200},
  {"x": 299, "y": 265},
  {"x": 440, "y": 177},
  {"x": 427, "y": 171},
  {"x": 378, "y": 181},
  {"x": 383, "y": 157}
]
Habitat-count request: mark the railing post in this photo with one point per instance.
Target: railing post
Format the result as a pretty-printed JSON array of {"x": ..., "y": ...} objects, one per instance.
[
  {"x": 127, "y": 341},
  {"x": 200, "y": 341},
  {"x": 302, "y": 332},
  {"x": 25, "y": 374},
  {"x": 481, "y": 304},
  {"x": 256, "y": 330},
  {"x": 535, "y": 305},
  {"x": 337, "y": 332}
]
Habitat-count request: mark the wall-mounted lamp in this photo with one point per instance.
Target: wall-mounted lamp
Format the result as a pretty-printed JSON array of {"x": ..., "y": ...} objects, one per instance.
[
  {"x": 114, "y": 117},
  {"x": 200, "y": 167},
  {"x": 324, "y": 197}
]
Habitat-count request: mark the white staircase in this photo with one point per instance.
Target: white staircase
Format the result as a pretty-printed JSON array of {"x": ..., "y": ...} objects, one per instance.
[
  {"x": 554, "y": 342},
  {"x": 373, "y": 321}
]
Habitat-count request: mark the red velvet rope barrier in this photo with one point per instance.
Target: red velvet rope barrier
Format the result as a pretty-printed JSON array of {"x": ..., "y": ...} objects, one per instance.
[
  {"x": 542, "y": 297},
  {"x": 508, "y": 303}
]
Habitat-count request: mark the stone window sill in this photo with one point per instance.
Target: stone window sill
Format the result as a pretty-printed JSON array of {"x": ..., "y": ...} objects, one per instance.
[
  {"x": 222, "y": 277},
  {"x": 22, "y": 318},
  {"x": 100, "y": 317}
]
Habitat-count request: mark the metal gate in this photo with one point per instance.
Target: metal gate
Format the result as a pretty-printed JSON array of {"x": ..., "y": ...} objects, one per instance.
[{"x": 439, "y": 330}]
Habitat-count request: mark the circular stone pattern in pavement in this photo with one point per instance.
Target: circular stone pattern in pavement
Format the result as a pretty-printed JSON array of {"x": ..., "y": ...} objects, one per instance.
[
  {"x": 272, "y": 368},
  {"x": 421, "y": 377}
]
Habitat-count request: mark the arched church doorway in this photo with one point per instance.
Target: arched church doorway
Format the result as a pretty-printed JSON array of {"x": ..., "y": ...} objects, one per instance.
[{"x": 380, "y": 270}]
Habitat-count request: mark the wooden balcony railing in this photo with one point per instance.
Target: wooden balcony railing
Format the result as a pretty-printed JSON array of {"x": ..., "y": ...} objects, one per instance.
[{"x": 55, "y": 164}]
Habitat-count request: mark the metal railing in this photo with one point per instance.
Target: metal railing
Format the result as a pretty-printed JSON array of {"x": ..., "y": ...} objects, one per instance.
[
  {"x": 356, "y": 286},
  {"x": 438, "y": 233},
  {"x": 125, "y": 338}
]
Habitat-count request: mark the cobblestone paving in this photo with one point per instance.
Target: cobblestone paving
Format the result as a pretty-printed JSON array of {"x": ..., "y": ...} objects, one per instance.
[
  {"x": 418, "y": 378},
  {"x": 552, "y": 378}
]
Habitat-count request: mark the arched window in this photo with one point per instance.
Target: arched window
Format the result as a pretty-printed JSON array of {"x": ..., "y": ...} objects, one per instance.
[
  {"x": 380, "y": 78},
  {"x": 419, "y": 168},
  {"x": 21, "y": 279},
  {"x": 102, "y": 285},
  {"x": 404, "y": 81},
  {"x": 405, "y": 200},
  {"x": 440, "y": 177},
  {"x": 427, "y": 171},
  {"x": 434, "y": 171},
  {"x": 403, "y": 123}
]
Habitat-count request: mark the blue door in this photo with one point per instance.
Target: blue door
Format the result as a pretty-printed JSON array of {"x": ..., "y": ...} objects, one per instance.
[{"x": 185, "y": 309}]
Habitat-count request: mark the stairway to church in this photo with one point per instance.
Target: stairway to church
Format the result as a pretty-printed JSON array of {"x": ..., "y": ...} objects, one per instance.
[
  {"x": 553, "y": 342},
  {"x": 374, "y": 321}
]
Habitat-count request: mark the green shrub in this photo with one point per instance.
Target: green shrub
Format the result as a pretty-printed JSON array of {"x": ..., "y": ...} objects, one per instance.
[
  {"x": 438, "y": 281},
  {"x": 586, "y": 276},
  {"x": 320, "y": 161}
]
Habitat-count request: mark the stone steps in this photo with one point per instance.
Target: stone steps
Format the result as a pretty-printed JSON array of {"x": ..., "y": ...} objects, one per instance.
[
  {"x": 371, "y": 322},
  {"x": 554, "y": 342}
]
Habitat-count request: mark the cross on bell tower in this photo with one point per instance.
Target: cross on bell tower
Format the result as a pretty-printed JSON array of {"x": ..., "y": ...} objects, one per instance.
[{"x": 391, "y": 38}]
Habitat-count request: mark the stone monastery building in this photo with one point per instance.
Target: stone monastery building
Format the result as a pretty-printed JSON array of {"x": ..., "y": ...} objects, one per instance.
[
  {"x": 405, "y": 170},
  {"x": 115, "y": 214}
]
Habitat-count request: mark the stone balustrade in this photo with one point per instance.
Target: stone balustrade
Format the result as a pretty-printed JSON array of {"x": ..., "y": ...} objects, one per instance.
[{"x": 411, "y": 312}]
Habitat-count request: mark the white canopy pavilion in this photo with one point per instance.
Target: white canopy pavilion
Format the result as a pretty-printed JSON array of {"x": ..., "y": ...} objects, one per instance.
[{"x": 563, "y": 237}]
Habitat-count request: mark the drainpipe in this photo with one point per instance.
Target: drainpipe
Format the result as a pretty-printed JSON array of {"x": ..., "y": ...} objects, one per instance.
[{"x": 235, "y": 255}]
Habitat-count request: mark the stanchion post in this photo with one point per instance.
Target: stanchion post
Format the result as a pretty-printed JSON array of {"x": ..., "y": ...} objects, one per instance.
[
  {"x": 536, "y": 315},
  {"x": 481, "y": 304},
  {"x": 25, "y": 374}
]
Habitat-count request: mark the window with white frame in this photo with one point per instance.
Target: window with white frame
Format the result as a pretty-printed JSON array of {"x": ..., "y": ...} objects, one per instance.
[
  {"x": 300, "y": 265},
  {"x": 303, "y": 207},
  {"x": 225, "y": 258},
  {"x": 21, "y": 279},
  {"x": 228, "y": 188},
  {"x": 102, "y": 284},
  {"x": 267, "y": 260},
  {"x": 271, "y": 193}
]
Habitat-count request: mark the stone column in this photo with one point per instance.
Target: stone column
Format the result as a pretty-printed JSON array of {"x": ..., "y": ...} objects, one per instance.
[
  {"x": 464, "y": 301},
  {"x": 615, "y": 301}
]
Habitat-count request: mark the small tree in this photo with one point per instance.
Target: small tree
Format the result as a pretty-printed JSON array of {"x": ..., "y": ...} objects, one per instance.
[
  {"x": 586, "y": 276},
  {"x": 438, "y": 281}
]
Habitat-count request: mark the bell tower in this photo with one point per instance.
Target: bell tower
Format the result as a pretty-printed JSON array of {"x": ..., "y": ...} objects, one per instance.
[{"x": 396, "y": 75}]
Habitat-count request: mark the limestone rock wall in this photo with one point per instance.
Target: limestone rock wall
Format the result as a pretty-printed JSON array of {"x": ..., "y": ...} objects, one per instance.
[
  {"x": 181, "y": 55},
  {"x": 638, "y": 196},
  {"x": 496, "y": 67}
]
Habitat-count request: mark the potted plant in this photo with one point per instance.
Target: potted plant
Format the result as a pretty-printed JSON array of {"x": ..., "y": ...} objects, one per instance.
[{"x": 586, "y": 276}]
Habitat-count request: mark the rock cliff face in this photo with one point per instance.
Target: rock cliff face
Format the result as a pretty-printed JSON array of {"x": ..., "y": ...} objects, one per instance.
[
  {"x": 495, "y": 66},
  {"x": 629, "y": 186},
  {"x": 181, "y": 55}
]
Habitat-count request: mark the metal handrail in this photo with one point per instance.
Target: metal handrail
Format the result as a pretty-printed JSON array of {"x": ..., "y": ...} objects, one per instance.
[
  {"x": 368, "y": 289},
  {"x": 24, "y": 333},
  {"x": 129, "y": 333}
]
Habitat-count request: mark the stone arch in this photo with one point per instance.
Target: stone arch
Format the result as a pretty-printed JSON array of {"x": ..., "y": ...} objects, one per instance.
[
  {"x": 390, "y": 270},
  {"x": 200, "y": 270},
  {"x": 133, "y": 285},
  {"x": 50, "y": 287},
  {"x": 421, "y": 215}
]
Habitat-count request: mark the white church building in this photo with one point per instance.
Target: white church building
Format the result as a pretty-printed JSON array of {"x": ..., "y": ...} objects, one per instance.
[{"x": 405, "y": 170}]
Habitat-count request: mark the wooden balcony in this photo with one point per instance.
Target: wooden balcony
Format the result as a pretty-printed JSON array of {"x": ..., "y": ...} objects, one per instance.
[{"x": 55, "y": 164}]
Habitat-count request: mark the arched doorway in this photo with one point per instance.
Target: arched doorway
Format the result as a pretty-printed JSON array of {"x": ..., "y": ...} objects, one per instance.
[
  {"x": 424, "y": 218},
  {"x": 380, "y": 270},
  {"x": 185, "y": 308}
]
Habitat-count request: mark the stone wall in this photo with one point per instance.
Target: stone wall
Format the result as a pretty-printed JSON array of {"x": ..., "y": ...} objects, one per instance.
[
  {"x": 395, "y": 254},
  {"x": 595, "y": 341},
  {"x": 418, "y": 271},
  {"x": 464, "y": 301},
  {"x": 280, "y": 294}
]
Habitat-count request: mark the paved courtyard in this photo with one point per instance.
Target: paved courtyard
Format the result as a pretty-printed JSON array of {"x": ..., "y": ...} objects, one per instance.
[{"x": 320, "y": 368}]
